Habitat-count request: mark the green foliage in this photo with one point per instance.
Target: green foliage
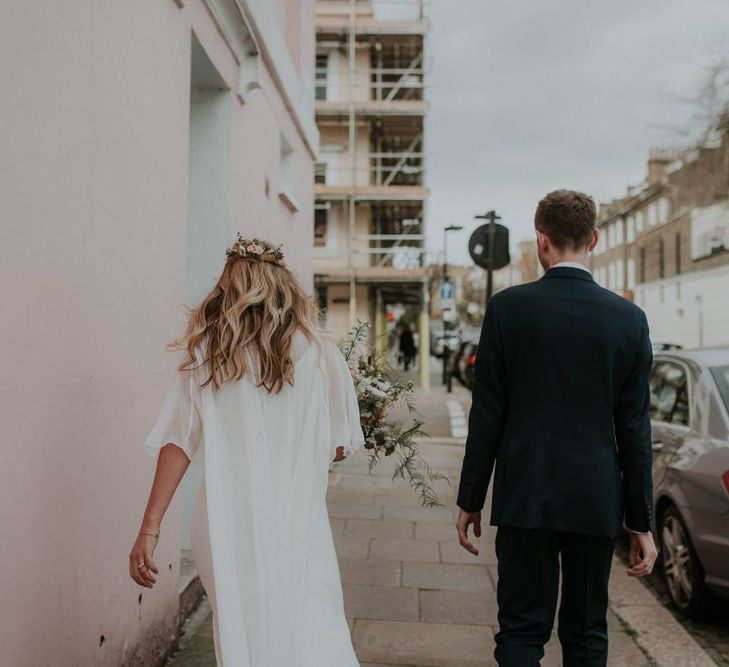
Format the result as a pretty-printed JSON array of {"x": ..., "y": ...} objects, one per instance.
[{"x": 378, "y": 391}]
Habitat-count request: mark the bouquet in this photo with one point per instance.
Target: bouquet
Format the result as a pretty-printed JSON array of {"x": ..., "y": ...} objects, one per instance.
[{"x": 378, "y": 390}]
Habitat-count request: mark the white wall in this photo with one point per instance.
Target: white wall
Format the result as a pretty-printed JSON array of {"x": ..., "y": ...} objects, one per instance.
[{"x": 689, "y": 309}]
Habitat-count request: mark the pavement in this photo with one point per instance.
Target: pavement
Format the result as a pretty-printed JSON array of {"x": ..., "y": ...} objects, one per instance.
[{"x": 414, "y": 597}]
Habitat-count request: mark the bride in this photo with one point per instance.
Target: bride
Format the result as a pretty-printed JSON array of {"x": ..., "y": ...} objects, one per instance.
[{"x": 263, "y": 403}]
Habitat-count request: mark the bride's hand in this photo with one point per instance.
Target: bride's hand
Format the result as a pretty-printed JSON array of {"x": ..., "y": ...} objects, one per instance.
[{"x": 141, "y": 565}]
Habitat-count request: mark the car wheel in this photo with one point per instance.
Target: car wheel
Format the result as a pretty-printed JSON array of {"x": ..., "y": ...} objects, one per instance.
[{"x": 681, "y": 567}]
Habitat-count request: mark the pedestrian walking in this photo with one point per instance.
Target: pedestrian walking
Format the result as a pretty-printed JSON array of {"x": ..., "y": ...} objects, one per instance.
[
  {"x": 262, "y": 402},
  {"x": 407, "y": 346},
  {"x": 560, "y": 415}
]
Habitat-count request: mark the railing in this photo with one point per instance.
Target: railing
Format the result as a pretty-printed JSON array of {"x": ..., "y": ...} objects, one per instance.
[
  {"x": 383, "y": 169},
  {"x": 385, "y": 84},
  {"x": 392, "y": 10}
]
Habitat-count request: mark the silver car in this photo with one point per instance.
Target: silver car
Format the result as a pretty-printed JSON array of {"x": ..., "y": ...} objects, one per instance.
[{"x": 690, "y": 432}]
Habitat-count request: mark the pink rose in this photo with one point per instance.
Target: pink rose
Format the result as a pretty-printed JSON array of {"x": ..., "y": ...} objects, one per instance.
[{"x": 254, "y": 249}]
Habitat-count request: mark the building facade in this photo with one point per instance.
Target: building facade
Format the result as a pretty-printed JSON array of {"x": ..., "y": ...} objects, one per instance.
[
  {"x": 371, "y": 196},
  {"x": 138, "y": 138},
  {"x": 665, "y": 245}
]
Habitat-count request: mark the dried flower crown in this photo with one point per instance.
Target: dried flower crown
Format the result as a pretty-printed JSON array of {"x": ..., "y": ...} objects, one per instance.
[{"x": 257, "y": 250}]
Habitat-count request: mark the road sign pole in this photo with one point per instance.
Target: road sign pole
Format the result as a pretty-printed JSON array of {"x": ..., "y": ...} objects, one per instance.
[
  {"x": 490, "y": 270},
  {"x": 492, "y": 217}
]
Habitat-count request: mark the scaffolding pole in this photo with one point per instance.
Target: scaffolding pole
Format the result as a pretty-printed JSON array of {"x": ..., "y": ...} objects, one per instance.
[{"x": 352, "y": 59}]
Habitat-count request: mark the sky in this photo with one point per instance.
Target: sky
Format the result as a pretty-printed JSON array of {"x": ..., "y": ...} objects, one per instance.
[{"x": 527, "y": 96}]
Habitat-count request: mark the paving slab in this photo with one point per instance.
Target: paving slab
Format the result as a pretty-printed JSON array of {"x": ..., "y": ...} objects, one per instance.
[
  {"x": 397, "y": 549},
  {"x": 373, "y": 572},
  {"x": 452, "y": 552},
  {"x": 348, "y": 547},
  {"x": 459, "y": 607},
  {"x": 419, "y": 513},
  {"x": 446, "y": 576},
  {"x": 393, "y": 528},
  {"x": 426, "y": 644},
  {"x": 387, "y": 603},
  {"x": 338, "y": 510}
]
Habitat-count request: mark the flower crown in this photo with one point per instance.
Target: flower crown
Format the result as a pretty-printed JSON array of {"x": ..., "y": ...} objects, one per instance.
[{"x": 257, "y": 250}]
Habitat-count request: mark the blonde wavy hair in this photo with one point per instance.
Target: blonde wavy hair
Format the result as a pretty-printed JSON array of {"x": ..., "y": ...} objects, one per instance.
[{"x": 256, "y": 302}]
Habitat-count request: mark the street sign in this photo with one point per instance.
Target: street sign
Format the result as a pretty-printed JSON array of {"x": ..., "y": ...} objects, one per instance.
[
  {"x": 447, "y": 298},
  {"x": 446, "y": 290},
  {"x": 478, "y": 246}
]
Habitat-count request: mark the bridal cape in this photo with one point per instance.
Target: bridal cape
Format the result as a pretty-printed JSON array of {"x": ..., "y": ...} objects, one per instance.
[{"x": 260, "y": 531}]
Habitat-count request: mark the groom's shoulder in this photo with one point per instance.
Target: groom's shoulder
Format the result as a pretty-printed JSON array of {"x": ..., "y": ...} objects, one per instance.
[
  {"x": 517, "y": 294},
  {"x": 619, "y": 303}
]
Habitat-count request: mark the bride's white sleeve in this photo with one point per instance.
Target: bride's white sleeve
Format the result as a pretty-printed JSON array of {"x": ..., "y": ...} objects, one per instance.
[
  {"x": 179, "y": 421},
  {"x": 345, "y": 428}
]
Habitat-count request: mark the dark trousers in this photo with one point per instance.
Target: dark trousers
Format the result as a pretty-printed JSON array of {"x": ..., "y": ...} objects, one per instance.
[{"x": 528, "y": 584}]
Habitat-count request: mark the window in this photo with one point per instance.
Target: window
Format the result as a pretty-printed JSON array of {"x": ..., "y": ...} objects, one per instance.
[
  {"x": 652, "y": 214},
  {"x": 322, "y": 62},
  {"x": 631, "y": 229},
  {"x": 642, "y": 265},
  {"x": 638, "y": 221},
  {"x": 721, "y": 377},
  {"x": 619, "y": 232},
  {"x": 678, "y": 253},
  {"x": 321, "y": 224},
  {"x": 611, "y": 235},
  {"x": 320, "y": 172},
  {"x": 669, "y": 394},
  {"x": 661, "y": 259},
  {"x": 631, "y": 273},
  {"x": 663, "y": 208},
  {"x": 322, "y": 297}
]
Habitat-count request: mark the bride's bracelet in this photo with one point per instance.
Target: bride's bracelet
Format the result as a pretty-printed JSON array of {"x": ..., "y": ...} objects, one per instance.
[{"x": 150, "y": 534}]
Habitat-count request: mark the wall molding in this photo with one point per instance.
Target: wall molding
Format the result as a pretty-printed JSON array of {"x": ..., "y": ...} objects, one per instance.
[{"x": 254, "y": 35}]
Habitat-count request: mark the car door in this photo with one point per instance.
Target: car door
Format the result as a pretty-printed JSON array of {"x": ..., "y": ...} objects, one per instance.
[{"x": 670, "y": 419}]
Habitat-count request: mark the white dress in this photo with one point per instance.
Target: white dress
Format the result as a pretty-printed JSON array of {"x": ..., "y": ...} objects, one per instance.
[{"x": 260, "y": 534}]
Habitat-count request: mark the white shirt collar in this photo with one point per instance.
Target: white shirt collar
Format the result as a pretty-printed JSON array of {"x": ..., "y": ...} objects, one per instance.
[{"x": 572, "y": 265}]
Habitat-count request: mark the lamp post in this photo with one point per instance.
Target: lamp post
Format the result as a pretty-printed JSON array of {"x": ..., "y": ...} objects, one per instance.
[{"x": 449, "y": 228}]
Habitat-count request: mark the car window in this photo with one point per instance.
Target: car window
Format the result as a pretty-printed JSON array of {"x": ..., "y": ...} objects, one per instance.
[
  {"x": 669, "y": 394},
  {"x": 721, "y": 377}
]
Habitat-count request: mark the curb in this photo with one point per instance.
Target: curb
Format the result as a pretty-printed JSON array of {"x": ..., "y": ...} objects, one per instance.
[{"x": 656, "y": 631}]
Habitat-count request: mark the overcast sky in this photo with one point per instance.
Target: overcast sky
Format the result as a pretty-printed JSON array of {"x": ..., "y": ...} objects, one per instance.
[{"x": 528, "y": 96}]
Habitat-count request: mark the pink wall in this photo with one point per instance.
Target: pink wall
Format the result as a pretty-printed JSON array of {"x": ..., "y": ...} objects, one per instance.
[{"x": 93, "y": 206}]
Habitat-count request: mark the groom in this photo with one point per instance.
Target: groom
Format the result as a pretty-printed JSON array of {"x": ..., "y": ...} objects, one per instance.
[{"x": 560, "y": 415}]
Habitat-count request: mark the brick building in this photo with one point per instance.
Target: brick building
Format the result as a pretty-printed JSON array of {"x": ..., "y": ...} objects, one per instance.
[{"x": 666, "y": 244}]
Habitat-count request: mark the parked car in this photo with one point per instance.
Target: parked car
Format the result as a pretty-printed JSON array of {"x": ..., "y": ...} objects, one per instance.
[
  {"x": 665, "y": 347},
  {"x": 690, "y": 434},
  {"x": 439, "y": 339},
  {"x": 462, "y": 362}
]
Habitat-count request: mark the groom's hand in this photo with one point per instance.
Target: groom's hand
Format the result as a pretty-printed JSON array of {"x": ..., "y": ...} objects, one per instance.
[
  {"x": 643, "y": 554},
  {"x": 464, "y": 520}
]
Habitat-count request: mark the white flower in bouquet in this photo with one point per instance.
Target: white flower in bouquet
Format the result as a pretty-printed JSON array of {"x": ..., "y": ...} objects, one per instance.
[{"x": 378, "y": 390}]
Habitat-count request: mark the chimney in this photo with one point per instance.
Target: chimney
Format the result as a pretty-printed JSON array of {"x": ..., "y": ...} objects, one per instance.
[{"x": 658, "y": 160}]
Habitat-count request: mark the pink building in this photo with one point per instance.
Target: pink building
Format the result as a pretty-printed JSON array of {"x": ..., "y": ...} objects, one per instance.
[{"x": 137, "y": 138}]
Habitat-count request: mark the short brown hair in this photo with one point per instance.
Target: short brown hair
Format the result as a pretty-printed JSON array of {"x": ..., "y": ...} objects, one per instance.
[{"x": 567, "y": 218}]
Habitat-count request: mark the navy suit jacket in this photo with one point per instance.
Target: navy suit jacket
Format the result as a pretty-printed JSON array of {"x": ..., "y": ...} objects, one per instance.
[{"x": 560, "y": 411}]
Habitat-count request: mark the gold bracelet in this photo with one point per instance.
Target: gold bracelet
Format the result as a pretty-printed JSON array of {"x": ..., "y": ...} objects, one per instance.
[{"x": 150, "y": 534}]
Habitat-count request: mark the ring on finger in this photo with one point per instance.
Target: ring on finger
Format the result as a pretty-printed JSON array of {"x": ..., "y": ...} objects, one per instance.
[{"x": 140, "y": 565}]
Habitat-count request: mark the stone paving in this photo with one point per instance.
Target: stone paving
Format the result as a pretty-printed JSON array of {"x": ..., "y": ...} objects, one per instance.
[
  {"x": 412, "y": 594},
  {"x": 414, "y": 597}
]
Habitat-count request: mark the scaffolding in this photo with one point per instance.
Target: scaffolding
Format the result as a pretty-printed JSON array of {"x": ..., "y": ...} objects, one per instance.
[{"x": 370, "y": 184}]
